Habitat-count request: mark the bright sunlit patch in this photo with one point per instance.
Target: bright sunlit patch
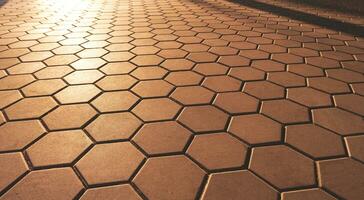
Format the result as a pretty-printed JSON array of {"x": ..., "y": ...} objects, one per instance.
[{"x": 68, "y": 5}]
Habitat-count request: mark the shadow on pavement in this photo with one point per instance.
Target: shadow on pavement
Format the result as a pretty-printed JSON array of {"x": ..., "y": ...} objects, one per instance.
[{"x": 333, "y": 24}]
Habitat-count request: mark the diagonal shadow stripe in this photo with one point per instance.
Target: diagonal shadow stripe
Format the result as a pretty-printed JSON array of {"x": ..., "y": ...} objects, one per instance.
[{"x": 334, "y": 24}]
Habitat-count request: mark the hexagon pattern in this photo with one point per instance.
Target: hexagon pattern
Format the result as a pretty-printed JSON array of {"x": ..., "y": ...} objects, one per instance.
[{"x": 179, "y": 99}]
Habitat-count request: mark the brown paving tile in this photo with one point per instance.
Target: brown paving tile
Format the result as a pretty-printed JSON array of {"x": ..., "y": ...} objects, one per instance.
[
  {"x": 115, "y": 101},
  {"x": 324, "y": 63},
  {"x": 118, "y": 56},
  {"x": 65, "y": 147},
  {"x": 255, "y": 128},
  {"x": 209, "y": 69},
  {"x": 60, "y": 183},
  {"x": 286, "y": 79},
  {"x": 53, "y": 72},
  {"x": 117, "y": 68},
  {"x": 26, "y": 68},
  {"x": 36, "y": 56},
  {"x": 120, "y": 126},
  {"x": 181, "y": 178},
  {"x": 234, "y": 61},
  {"x": 236, "y": 184},
  {"x": 282, "y": 166},
  {"x": 16, "y": 135},
  {"x": 355, "y": 145},
  {"x": 203, "y": 118},
  {"x": 339, "y": 121},
  {"x": 82, "y": 77},
  {"x": 345, "y": 75},
  {"x": 88, "y": 63},
  {"x": 13, "y": 165},
  {"x": 201, "y": 57},
  {"x": 353, "y": 65},
  {"x": 305, "y": 70},
  {"x": 314, "y": 140},
  {"x": 77, "y": 94},
  {"x": 43, "y": 87},
  {"x": 69, "y": 116},
  {"x": 152, "y": 88},
  {"x": 156, "y": 109},
  {"x": 147, "y": 60},
  {"x": 177, "y": 64},
  {"x": 29, "y": 108},
  {"x": 147, "y": 73},
  {"x": 217, "y": 151},
  {"x": 268, "y": 65},
  {"x": 170, "y": 136},
  {"x": 247, "y": 74},
  {"x": 184, "y": 78},
  {"x": 328, "y": 85},
  {"x": 192, "y": 95},
  {"x": 350, "y": 102},
  {"x": 236, "y": 102},
  {"x": 116, "y": 82},
  {"x": 214, "y": 83},
  {"x": 15, "y": 82},
  {"x": 258, "y": 89},
  {"x": 307, "y": 194},
  {"x": 285, "y": 111},
  {"x": 8, "y": 97},
  {"x": 344, "y": 183},
  {"x": 111, "y": 192},
  {"x": 309, "y": 97},
  {"x": 107, "y": 163},
  {"x": 61, "y": 60}
]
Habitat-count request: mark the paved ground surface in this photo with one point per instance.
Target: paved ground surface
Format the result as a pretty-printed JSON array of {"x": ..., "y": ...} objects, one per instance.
[{"x": 177, "y": 100}]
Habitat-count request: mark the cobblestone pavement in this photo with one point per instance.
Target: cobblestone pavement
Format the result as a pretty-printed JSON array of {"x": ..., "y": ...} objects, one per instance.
[{"x": 177, "y": 100}]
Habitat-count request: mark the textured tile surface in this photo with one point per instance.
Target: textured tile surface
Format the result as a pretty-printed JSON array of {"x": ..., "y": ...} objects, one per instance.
[{"x": 179, "y": 100}]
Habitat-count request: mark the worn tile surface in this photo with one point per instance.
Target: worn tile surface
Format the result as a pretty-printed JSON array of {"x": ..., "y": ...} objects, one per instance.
[{"x": 179, "y": 100}]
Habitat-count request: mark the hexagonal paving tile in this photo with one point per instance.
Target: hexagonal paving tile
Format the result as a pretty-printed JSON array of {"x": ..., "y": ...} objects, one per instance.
[
  {"x": 192, "y": 95},
  {"x": 69, "y": 116},
  {"x": 116, "y": 82},
  {"x": 255, "y": 128},
  {"x": 115, "y": 101},
  {"x": 60, "y": 183},
  {"x": 117, "y": 68},
  {"x": 29, "y": 108},
  {"x": 58, "y": 148},
  {"x": 15, "y": 81},
  {"x": 203, "y": 118},
  {"x": 349, "y": 102},
  {"x": 355, "y": 146},
  {"x": 82, "y": 77},
  {"x": 120, "y": 126},
  {"x": 152, "y": 88},
  {"x": 156, "y": 109},
  {"x": 177, "y": 64},
  {"x": 345, "y": 183},
  {"x": 264, "y": 90},
  {"x": 309, "y": 97},
  {"x": 43, "y": 87},
  {"x": 307, "y": 194},
  {"x": 181, "y": 178},
  {"x": 111, "y": 192},
  {"x": 108, "y": 163},
  {"x": 88, "y": 63},
  {"x": 170, "y": 136},
  {"x": 285, "y": 111},
  {"x": 218, "y": 151},
  {"x": 184, "y": 78},
  {"x": 77, "y": 94},
  {"x": 13, "y": 166},
  {"x": 314, "y": 140},
  {"x": 8, "y": 97},
  {"x": 339, "y": 121},
  {"x": 236, "y": 184},
  {"x": 214, "y": 83},
  {"x": 236, "y": 102},
  {"x": 282, "y": 166}
]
